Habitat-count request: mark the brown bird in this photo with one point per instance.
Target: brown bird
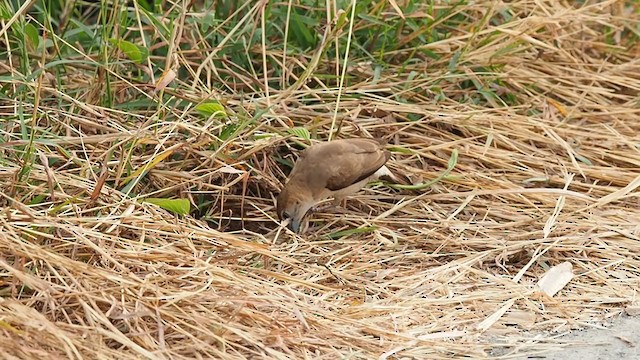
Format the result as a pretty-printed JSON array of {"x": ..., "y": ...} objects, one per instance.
[{"x": 333, "y": 169}]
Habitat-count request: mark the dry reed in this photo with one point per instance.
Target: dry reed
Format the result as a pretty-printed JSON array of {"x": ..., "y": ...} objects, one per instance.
[{"x": 445, "y": 272}]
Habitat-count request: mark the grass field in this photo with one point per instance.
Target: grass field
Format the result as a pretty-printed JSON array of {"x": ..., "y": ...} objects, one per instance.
[{"x": 143, "y": 143}]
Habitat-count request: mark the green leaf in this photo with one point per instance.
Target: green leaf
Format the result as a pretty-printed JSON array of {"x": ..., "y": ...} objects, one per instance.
[
  {"x": 160, "y": 26},
  {"x": 5, "y": 13},
  {"x": 147, "y": 5},
  {"x": 228, "y": 131},
  {"x": 285, "y": 162},
  {"x": 414, "y": 117},
  {"x": 177, "y": 206},
  {"x": 377, "y": 74},
  {"x": 300, "y": 132},
  {"x": 32, "y": 35},
  {"x": 134, "y": 52},
  {"x": 260, "y": 136},
  {"x": 56, "y": 209},
  {"x": 208, "y": 21},
  {"x": 82, "y": 29},
  {"x": 208, "y": 108},
  {"x": 300, "y": 30},
  {"x": 127, "y": 188},
  {"x": 453, "y": 62},
  {"x": 453, "y": 160},
  {"x": 342, "y": 19},
  {"x": 410, "y": 78},
  {"x": 583, "y": 159},
  {"x": 401, "y": 150},
  {"x": 339, "y": 234},
  {"x": 38, "y": 199}
]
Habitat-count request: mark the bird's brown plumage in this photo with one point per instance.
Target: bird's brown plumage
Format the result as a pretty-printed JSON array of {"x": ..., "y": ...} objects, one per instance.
[{"x": 329, "y": 169}]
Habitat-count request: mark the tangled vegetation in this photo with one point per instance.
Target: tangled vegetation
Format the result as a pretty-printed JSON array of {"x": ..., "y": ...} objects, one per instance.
[{"x": 142, "y": 144}]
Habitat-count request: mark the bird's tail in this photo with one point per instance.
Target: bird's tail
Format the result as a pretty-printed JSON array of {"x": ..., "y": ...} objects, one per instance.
[{"x": 385, "y": 174}]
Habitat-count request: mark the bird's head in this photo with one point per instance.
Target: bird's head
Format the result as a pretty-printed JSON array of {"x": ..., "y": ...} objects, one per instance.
[{"x": 293, "y": 205}]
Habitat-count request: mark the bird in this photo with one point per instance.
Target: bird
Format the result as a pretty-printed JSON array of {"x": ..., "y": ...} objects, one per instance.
[{"x": 332, "y": 169}]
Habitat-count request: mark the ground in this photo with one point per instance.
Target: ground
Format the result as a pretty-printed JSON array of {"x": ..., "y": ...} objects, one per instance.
[
  {"x": 620, "y": 340},
  {"x": 143, "y": 144}
]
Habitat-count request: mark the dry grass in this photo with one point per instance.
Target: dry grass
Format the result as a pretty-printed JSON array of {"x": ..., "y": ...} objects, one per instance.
[{"x": 549, "y": 176}]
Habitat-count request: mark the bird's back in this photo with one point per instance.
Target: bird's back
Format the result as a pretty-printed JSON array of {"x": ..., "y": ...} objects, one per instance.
[{"x": 337, "y": 164}]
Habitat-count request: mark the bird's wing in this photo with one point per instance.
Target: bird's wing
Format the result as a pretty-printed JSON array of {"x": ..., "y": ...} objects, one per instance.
[{"x": 349, "y": 161}]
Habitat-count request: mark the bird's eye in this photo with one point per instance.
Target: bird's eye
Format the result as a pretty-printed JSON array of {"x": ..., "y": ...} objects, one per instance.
[{"x": 285, "y": 215}]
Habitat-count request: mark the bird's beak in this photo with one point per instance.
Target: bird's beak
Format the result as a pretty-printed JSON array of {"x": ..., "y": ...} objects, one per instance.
[{"x": 294, "y": 225}]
